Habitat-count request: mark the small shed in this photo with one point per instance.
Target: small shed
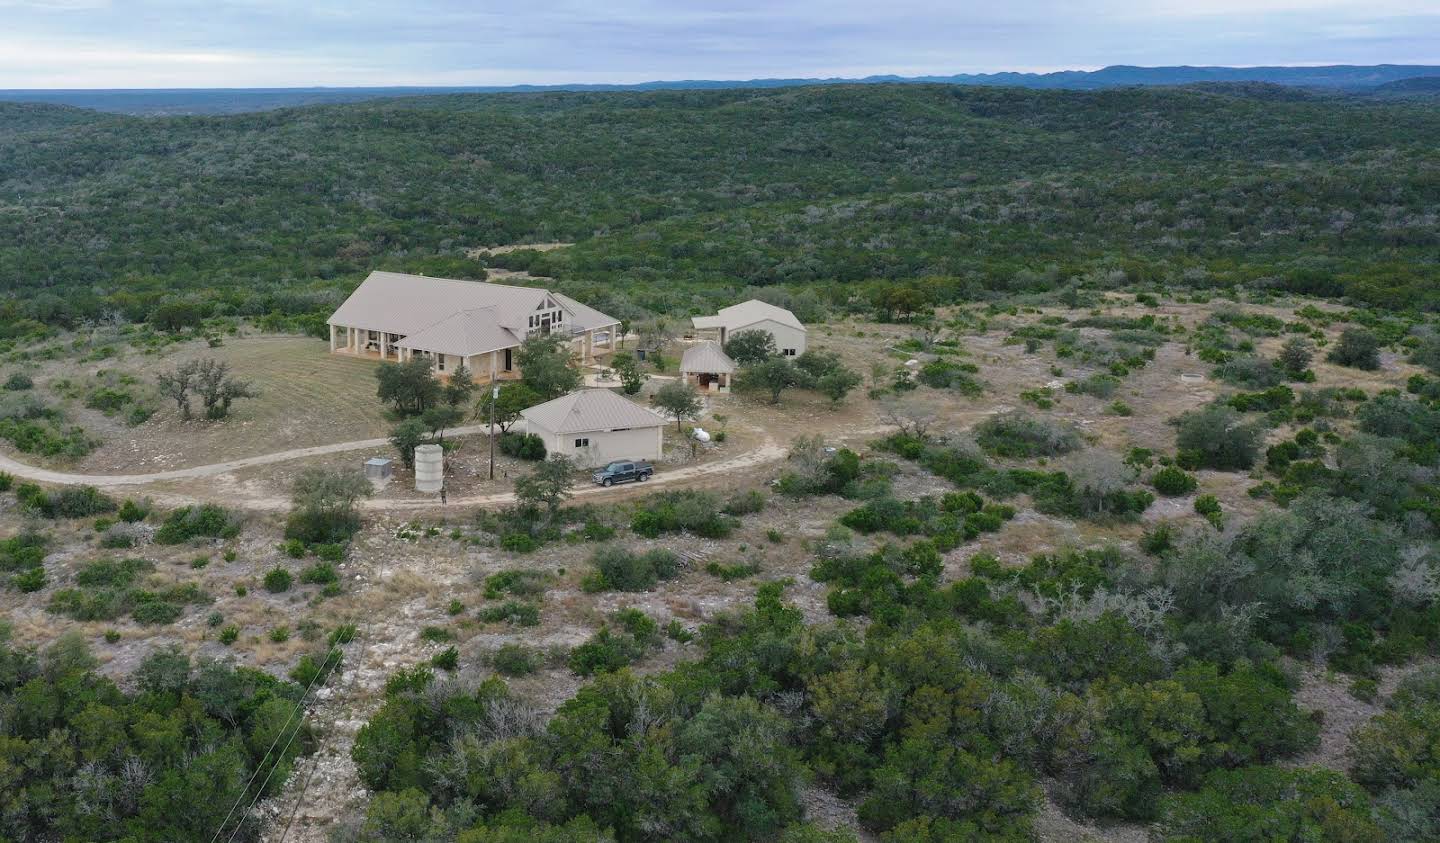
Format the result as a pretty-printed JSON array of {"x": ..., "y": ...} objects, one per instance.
[
  {"x": 379, "y": 469},
  {"x": 596, "y": 426},
  {"x": 707, "y": 366}
]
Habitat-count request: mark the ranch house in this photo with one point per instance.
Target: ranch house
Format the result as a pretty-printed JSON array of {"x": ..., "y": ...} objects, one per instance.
[{"x": 397, "y": 317}]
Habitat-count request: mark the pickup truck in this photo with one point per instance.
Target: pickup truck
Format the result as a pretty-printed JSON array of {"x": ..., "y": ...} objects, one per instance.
[{"x": 622, "y": 470}]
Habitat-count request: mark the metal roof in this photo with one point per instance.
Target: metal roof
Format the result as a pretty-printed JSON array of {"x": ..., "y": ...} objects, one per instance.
[
  {"x": 738, "y": 316},
  {"x": 464, "y": 334},
  {"x": 590, "y": 410},
  {"x": 707, "y": 357},
  {"x": 411, "y": 304},
  {"x": 583, "y": 316}
]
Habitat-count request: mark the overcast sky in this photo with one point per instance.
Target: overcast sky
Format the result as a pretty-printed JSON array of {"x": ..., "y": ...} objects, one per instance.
[{"x": 260, "y": 43}]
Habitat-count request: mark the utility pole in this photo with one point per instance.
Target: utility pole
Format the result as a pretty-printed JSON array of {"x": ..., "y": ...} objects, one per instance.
[{"x": 494, "y": 396}]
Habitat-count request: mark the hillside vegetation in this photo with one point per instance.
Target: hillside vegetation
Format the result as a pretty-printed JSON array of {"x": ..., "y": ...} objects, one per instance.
[{"x": 709, "y": 191}]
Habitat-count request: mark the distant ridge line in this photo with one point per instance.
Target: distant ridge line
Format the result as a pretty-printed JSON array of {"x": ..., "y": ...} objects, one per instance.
[{"x": 161, "y": 101}]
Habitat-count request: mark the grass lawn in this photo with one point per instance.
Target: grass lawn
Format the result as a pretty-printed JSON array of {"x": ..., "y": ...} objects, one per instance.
[{"x": 307, "y": 397}]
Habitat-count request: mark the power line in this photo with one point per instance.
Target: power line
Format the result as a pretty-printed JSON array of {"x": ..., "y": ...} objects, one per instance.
[
  {"x": 315, "y": 764},
  {"x": 276, "y": 765},
  {"x": 299, "y": 709}
]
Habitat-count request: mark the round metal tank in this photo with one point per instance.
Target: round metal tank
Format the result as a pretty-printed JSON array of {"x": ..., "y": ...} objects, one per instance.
[{"x": 429, "y": 468}]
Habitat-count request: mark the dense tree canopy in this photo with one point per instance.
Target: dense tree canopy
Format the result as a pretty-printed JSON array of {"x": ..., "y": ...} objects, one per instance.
[{"x": 953, "y": 191}]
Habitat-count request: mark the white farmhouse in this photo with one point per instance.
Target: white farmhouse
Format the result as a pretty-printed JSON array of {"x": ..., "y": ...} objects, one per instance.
[
  {"x": 755, "y": 315},
  {"x": 392, "y": 316},
  {"x": 595, "y": 426}
]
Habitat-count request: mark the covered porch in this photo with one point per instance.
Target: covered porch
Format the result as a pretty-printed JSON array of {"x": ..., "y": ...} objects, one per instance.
[{"x": 499, "y": 364}]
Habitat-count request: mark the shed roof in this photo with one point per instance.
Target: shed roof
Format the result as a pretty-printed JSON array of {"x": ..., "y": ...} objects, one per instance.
[
  {"x": 589, "y": 410},
  {"x": 738, "y": 316},
  {"x": 707, "y": 357}
]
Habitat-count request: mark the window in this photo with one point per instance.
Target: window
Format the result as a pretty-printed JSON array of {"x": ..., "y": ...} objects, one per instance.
[
  {"x": 582, "y": 443},
  {"x": 789, "y": 352}
]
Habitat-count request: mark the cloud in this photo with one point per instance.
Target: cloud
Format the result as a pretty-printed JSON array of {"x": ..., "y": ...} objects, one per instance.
[{"x": 253, "y": 43}]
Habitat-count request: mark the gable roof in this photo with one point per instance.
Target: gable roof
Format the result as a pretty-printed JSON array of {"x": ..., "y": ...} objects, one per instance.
[
  {"x": 583, "y": 316},
  {"x": 466, "y": 333},
  {"x": 589, "y": 410},
  {"x": 738, "y": 316},
  {"x": 707, "y": 357},
  {"x": 411, "y": 304}
]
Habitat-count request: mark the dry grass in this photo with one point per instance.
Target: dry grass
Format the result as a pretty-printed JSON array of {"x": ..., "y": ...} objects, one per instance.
[{"x": 307, "y": 397}]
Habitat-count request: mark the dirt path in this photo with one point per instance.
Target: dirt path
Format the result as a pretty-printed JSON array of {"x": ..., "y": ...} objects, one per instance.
[
  {"x": 768, "y": 451},
  {"x": 106, "y": 481}
]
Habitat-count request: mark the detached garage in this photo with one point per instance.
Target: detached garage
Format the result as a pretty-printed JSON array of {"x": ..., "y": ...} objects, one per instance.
[{"x": 595, "y": 426}]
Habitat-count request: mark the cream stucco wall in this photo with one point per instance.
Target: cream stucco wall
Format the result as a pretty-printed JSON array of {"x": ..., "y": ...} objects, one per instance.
[
  {"x": 639, "y": 443},
  {"x": 786, "y": 336}
]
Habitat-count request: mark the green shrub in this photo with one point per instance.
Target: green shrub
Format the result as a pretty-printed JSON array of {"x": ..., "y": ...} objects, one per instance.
[
  {"x": 342, "y": 634},
  {"x": 515, "y": 660},
  {"x": 436, "y": 634},
  {"x": 1158, "y": 539},
  {"x": 521, "y": 582},
  {"x": 1173, "y": 482},
  {"x": 132, "y": 512},
  {"x": 447, "y": 659},
  {"x": 1270, "y": 803},
  {"x": 1099, "y": 386},
  {"x": 280, "y": 634},
  {"x": 197, "y": 521},
  {"x": 1216, "y": 437},
  {"x": 310, "y": 669},
  {"x": 617, "y": 568},
  {"x": 1017, "y": 435},
  {"x": 155, "y": 612},
  {"x": 525, "y": 446},
  {"x": 1209, "y": 506},
  {"x": 745, "y": 503},
  {"x": 686, "y": 510},
  {"x": 69, "y": 502},
  {"x": 29, "y": 581},
  {"x": 730, "y": 573},
  {"x": 512, "y": 612},
  {"x": 278, "y": 580},
  {"x": 329, "y": 552},
  {"x": 1357, "y": 348},
  {"x": 319, "y": 574},
  {"x": 7, "y": 481},
  {"x": 628, "y": 637},
  {"x": 19, "y": 382},
  {"x": 519, "y": 543}
]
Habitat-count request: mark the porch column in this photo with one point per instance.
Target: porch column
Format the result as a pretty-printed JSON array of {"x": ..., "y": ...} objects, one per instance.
[
  {"x": 494, "y": 364},
  {"x": 384, "y": 344},
  {"x": 333, "y": 334},
  {"x": 589, "y": 344}
]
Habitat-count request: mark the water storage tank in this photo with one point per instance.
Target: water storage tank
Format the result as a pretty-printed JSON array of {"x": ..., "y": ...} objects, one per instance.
[{"x": 429, "y": 468}]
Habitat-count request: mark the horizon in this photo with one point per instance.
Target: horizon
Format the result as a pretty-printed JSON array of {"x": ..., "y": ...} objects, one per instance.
[
  {"x": 677, "y": 81},
  {"x": 261, "y": 44}
]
